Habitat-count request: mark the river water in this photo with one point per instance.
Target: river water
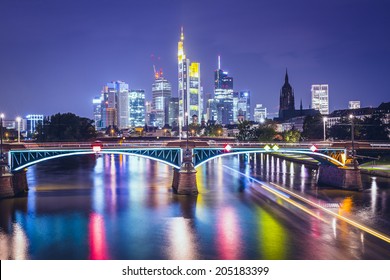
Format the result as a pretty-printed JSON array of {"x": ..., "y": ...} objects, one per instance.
[{"x": 123, "y": 207}]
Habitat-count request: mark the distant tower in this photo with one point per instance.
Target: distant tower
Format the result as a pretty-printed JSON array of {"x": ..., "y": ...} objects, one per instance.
[
  {"x": 287, "y": 102},
  {"x": 190, "y": 91}
]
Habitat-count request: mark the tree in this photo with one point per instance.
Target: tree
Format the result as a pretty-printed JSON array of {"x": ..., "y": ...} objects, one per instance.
[
  {"x": 245, "y": 131},
  {"x": 212, "y": 129},
  {"x": 313, "y": 127},
  {"x": 194, "y": 129},
  {"x": 374, "y": 128},
  {"x": 342, "y": 130},
  {"x": 65, "y": 127},
  {"x": 292, "y": 136}
]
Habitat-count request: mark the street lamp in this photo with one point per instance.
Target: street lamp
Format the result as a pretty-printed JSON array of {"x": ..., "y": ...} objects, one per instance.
[
  {"x": 1, "y": 132},
  {"x": 186, "y": 122},
  {"x": 353, "y": 139},
  {"x": 325, "y": 119},
  {"x": 18, "y": 119},
  {"x": 180, "y": 127}
]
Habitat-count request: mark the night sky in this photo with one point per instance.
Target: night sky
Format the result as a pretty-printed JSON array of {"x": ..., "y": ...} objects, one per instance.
[{"x": 56, "y": 55}]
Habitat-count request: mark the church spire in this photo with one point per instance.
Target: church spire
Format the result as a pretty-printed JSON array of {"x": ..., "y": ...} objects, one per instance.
[{"x": 286, "y": 77}]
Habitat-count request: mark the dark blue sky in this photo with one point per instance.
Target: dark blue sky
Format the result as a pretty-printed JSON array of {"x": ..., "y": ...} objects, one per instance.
[{"x": 55, "y": 55}]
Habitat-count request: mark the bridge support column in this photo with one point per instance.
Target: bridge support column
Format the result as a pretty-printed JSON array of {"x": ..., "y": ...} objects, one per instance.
[
  {"x": 20, "y": 182},
  {"x": 187, "y": 179},
  {"x": 347, "y": 177},
  {"x": 6, "y": 189},
  {"x": 175, "y": 180}
]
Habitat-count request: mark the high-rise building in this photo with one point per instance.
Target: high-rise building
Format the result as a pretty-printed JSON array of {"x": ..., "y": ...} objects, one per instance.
[
  {"x": 224, "y": 96},
  {"x": 287, "y": 101},
  {"x": 161, "y": 92},
  {"x": 354, "y": 105},
  {"x": 244, "y": 105},
  {"x": 114, "y": 106},
  {"x": 173, "y": 111},
  {"x": 97, "y": 112},
  {"x": 137, "y": 107},
  {"x": 320, "y": 98},
  {"x": 190, "y": 91},
  {"x": 260, "y": 113}
]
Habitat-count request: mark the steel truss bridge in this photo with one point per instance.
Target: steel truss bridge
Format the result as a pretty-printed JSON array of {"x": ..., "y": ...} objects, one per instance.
[{"x": 170, "y": 153}]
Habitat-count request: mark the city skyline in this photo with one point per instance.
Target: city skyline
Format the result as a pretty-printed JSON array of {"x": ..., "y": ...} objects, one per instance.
[{"x": 56, "y": 53}]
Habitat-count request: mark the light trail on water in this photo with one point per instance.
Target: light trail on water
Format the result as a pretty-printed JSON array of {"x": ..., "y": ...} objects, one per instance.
[{"x": 285, "y": 195}]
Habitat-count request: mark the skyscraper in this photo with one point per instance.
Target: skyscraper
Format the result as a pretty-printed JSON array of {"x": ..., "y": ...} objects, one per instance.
[
  {"x": 320, "y": 98},
  {"x": 223, "y": 96},
  {"x": 244, "y": 105},
  {"x": 287, "y": 102},
  {"x": 173, "y": 111},
  {"x": 97, "y": 112},
  {"x": 161, "y": 92},
  {"x": 137, "y": 107},
  {"x": 189, "y": 85}
]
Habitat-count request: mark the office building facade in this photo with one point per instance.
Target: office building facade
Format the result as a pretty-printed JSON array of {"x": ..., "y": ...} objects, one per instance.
[{"x": 320, "y": 98}]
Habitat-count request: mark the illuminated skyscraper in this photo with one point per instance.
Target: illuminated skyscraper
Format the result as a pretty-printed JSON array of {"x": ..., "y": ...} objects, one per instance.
[
  {"x": 224, "y": 97},
  {"x": 137, "y": 107},
  {"x": 190, "y": 90},
  {"x": 97, "y": 112},
  {"x": 161, "y": 92},
  {"x": 320, "y": 98},
  {"x": 173, "y": 111}
]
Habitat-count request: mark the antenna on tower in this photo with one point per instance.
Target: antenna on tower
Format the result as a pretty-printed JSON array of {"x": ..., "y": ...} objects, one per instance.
[{"x": 219, "y": 62}]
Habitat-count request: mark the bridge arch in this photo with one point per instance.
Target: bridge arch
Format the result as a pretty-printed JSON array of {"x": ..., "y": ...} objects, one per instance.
[
  {"x": 201, "y": 156},
  {"x": 19, "y": 160}
]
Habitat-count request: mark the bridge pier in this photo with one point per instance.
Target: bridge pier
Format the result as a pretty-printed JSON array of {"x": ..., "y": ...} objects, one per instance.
[
  {"x": 347, "y": 177},
  {"x": 6, "y": 184},
  {"x": 20, "y": 184},
  {"x": 184, "y": 179}
]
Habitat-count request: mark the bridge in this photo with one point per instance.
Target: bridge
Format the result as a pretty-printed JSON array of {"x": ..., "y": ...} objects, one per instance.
[{"x": 184, "y": 157}]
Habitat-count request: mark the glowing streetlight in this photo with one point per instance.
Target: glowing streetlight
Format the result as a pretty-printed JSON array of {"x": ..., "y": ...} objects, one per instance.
[
  {"x": 353, "y": 140},
  {"x": 325, "y": 119},
  {"x": 180, "y": 126},
  {"x": 186, "y": 122},
  {"x": 1, "y": 132},
  {"x": 18, "y": 120}
]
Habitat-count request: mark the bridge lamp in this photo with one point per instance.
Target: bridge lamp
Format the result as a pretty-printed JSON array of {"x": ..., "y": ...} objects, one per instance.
[
  {"x": 353, "y": 140},
  {"x": 1, "y": 133},
  {"x": 267, "y": 148},
  {"x": 313, "y": 148},
  {"x": 18, "y": 120},
  {"x": 275, "y": 148},
  {"x": 96, "y": 149},
  {"x": 325, "y": 119},
  {"x": 227, "y": 148}
]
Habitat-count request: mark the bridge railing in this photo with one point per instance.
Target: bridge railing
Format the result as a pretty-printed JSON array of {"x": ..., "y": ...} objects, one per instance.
[{"x": 87, "y": 145}]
